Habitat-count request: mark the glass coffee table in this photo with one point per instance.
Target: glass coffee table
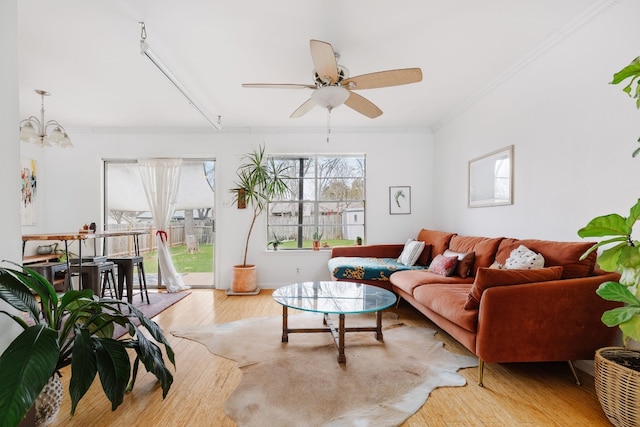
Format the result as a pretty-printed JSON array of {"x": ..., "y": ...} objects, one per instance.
[{"x": 334, "y": 297}]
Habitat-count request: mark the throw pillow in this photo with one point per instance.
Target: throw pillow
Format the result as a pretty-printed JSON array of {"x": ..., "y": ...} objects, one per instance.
[
  {"x": 443, "y": 265},
  {"x": 411, "y": 252},
  {"x": 524, "y": 258},
  {"x": 425, "y": 256},
  {"x": 490, "y": 277},
  {"x": 465, "y": 262}
]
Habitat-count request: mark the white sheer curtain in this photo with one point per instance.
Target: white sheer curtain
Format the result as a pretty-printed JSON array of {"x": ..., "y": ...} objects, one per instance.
[{"x": 160, "y": 178}]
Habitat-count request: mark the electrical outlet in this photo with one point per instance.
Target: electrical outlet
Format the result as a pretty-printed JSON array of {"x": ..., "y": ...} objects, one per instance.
[
  {"x": 297, "y": 269},
  {"x": 226, "y": 203}
]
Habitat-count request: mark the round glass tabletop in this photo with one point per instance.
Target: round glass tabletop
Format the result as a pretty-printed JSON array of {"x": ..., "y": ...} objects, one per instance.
[{"x": 334, "y": 297}]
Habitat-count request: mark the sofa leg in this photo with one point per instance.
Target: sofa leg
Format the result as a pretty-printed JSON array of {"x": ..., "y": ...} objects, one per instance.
[
  {"x": 573, "y": 371},
  {"x": 480, "y": 372}
]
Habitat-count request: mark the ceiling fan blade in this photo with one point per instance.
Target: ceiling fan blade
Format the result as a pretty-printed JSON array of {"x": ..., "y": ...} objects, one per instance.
[
  {"x": 384, "y": 79},
  {"x": 278, "y": 86},
  {"x": 362, "y": 105},
  {"x": 303, "y": 109},
  {"x": 324, "y": 61}
]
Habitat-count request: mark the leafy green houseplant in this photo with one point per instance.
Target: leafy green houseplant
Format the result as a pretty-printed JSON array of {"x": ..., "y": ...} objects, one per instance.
[
  {"x": 622, "y": 255},
  {"x": 317, "y": 236},
  {"x": 275, "y": 243},
  {"x": 73, "y": 329},
  {"x": 617, "y": 369},
  {"x": 631, "y": 71},
  {"x": 259, "y": 180}
]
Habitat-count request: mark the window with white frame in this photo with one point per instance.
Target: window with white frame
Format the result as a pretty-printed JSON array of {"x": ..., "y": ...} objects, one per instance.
[{"x": 326, "y": 202}]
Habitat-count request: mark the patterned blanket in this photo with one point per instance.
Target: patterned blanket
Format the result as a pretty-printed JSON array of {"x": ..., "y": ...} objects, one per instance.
[{"x": 355, "y": 268}]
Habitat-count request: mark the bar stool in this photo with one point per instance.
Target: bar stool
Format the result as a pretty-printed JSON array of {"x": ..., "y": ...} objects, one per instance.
[
  {"x": 54, "y": 272},
  {"x": 96, "y": 276},
  {"x": 126, "y": 265}
]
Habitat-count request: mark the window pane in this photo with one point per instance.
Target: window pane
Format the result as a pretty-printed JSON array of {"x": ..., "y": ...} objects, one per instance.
[{"x": 326, "y": 201}]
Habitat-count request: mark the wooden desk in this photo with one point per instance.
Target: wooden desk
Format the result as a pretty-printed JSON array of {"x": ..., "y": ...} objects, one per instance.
[
  {"x": 119, "y": 233},
  {"x": 64, "y": 237}
]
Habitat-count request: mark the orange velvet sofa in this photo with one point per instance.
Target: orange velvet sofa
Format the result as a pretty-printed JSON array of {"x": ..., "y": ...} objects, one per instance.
[{"x": 500, "y": 315}]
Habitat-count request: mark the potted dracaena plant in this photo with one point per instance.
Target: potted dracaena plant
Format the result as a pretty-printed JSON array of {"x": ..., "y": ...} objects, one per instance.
[
  {"x": 76, "y": 329},
  {"x": 617, "y": 369},
  {"x": 260, "y": 180}
]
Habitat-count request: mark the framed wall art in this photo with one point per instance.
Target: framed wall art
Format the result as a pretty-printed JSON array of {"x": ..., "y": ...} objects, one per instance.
[
  {"x": 491, "y": 179},
  {"x": 400, "y": 200},
  {"x": 28, "y": 189}
]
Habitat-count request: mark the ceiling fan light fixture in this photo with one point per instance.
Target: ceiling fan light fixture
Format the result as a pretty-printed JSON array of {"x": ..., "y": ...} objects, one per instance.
[{"x": 330, "y": 96}]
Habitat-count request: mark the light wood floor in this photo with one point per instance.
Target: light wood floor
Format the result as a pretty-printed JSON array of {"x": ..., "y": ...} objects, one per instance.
[{"x": 540, "y": 394}]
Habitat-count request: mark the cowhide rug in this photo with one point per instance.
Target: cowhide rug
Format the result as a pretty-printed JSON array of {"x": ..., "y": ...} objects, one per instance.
[{"x": 300, "y": 383}]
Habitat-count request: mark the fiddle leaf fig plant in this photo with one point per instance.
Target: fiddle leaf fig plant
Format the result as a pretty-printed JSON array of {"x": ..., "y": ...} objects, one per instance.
[
  {"x": 74, "y": 329},
  {"x": 631, "y": 71},
  {"x": 622, "y": 254}
]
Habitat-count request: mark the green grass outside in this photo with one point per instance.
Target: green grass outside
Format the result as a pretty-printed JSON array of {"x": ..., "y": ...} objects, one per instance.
[
  {"x": 197, "y": 262},
  {"x": 202, "y": 261}
]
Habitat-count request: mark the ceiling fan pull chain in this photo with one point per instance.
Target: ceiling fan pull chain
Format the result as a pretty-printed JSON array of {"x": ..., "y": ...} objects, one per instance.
[{"x": 328, "y": 123}]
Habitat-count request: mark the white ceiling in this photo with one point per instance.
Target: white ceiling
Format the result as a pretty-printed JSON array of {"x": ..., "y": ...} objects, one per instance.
[{"x": 86, "y": 53}]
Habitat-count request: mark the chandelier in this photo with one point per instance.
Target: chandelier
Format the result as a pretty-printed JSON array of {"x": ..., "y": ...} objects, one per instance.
[{"x": 37, "y": 131}]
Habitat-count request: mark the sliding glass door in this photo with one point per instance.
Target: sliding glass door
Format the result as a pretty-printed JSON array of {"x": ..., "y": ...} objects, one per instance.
[{"x": 191, "y": 230}]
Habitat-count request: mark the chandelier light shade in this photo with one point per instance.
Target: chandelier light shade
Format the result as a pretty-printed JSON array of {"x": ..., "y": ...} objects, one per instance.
[{"x": 46, "y": 134}]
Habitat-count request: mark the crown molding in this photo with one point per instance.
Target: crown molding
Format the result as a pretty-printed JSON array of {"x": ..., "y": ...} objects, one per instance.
[
  {"x": 245, "y": 130},
  {"x": 573, "y": 26}
]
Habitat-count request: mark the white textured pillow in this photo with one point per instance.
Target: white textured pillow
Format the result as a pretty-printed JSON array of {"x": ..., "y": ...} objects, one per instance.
[
  {"x": 411, "y": 252},
  {"x": 523, "y": 258}
]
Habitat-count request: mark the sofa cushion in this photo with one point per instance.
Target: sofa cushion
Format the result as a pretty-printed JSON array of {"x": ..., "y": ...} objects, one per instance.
[
  {"x": 565, "y": 254},
  {"x": 448, "y": 300},
  {"x": 465, "y": 262},
  {"x": 444, "y": 265},
  {"x": 408, "y": 280},
  {"x": 411, "y": 252},
  {"x": 485, "y": 249},
  {"x": 439, "y": 240},
  {"x": 356, "y": 268},
  {"x": 489, "y": 277}
]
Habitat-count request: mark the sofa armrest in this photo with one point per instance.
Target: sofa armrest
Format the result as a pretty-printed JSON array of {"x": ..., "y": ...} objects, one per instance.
[
  {"x": 547, "y": 321},
  {"x": 371, "y": 251}
]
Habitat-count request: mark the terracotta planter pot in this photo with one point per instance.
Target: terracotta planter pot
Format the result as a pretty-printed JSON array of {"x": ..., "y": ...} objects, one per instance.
[
  {"x": 245, "y": 279},
  {"x": 316, "y": 245}
]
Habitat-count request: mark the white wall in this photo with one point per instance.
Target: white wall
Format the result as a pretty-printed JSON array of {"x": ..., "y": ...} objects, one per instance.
[
  {"x": 573, "y": 135},
  {"x": 72, "y": 187},
  {"x": 10, "y": 158}
]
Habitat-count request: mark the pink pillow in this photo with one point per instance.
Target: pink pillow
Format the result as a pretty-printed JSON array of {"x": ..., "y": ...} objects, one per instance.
[{"x": 443, "y": 265}]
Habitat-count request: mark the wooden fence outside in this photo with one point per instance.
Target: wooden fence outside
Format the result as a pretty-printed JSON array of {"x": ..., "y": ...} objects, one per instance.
[{"x": 124, "y": 245}]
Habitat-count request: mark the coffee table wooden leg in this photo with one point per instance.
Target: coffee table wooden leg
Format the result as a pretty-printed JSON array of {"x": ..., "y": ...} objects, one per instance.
[
  {"x": 341, "y": 357},
  {"x": 285, "y": 326},
  {"x": 379, "y": 325}
]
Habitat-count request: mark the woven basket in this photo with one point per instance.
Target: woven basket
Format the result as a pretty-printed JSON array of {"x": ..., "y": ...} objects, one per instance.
[{"x": 618, "y": 387}]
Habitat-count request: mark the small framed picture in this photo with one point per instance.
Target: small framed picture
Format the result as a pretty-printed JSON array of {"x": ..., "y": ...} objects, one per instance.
[{"x": 400, "y": 200}]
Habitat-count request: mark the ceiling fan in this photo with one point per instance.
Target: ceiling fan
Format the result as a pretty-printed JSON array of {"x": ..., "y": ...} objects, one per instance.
[{"x": 333, "y": 87}]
